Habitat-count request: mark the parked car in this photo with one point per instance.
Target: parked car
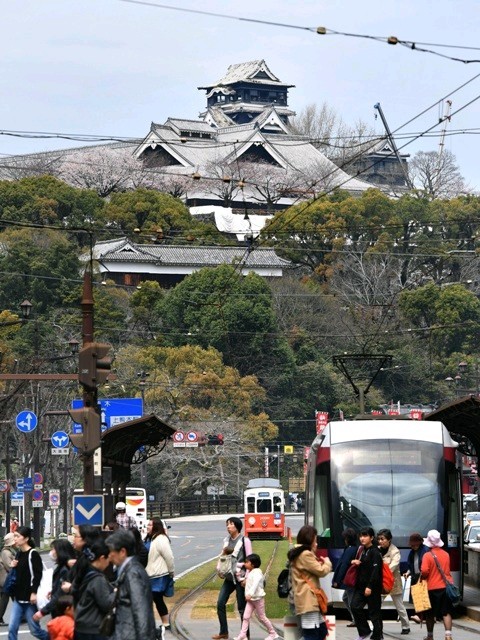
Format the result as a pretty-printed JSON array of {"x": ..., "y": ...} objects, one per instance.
[
  {"x": 471, "y": 533},
  {"x": 471, "y": 516}
]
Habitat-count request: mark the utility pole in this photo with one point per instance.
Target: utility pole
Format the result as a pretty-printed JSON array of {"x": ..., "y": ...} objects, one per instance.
[
  {"x": 93, "y": 369},
  {"x": 394, "y": 146}
]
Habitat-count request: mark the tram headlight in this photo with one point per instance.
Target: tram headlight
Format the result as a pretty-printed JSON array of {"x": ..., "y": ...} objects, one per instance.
[{"x": 251, "y": 521}]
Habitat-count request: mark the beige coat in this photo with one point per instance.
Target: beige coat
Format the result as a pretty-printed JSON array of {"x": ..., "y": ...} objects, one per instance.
[
  {"x": 6, "y": 559},
  {"x": 160, "y": 557},
  {"x": 307, "y": 564},
  {"x": 392, "y": 558}
]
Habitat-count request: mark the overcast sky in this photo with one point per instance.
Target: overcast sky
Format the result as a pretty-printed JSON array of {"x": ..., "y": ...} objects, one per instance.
[{"x": 109, "y": 67}]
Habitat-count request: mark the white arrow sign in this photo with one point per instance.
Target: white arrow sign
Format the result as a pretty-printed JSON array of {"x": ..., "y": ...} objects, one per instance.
[{"x": 88, "y": 513}]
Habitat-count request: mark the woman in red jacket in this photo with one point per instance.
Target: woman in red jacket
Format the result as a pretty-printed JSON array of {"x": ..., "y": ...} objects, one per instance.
[{"x": 441, "y": 605}]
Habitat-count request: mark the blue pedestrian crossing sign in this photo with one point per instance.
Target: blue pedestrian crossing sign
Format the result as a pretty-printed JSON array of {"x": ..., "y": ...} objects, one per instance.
[
  {"x": 26, "y": 421},
  {"x": 88, "y": 510}
]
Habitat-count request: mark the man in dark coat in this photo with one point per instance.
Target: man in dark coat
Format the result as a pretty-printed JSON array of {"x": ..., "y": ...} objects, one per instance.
[{"x": 134, "y": 618}]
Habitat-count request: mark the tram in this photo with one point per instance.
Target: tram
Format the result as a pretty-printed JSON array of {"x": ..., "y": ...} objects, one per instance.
[
  {"x": 399, "y": 474},
  {"x": 264, "y": 502}
]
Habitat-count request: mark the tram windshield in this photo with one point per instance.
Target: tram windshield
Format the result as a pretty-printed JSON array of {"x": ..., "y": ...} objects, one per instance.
[{"x": 393, "y": 484}]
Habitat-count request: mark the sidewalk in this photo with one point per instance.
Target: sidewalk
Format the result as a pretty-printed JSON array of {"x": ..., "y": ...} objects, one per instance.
[{"x": 464, "y": 628}]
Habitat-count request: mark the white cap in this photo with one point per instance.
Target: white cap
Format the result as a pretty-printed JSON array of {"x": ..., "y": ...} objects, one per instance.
[{"x": 120, "y": 506}]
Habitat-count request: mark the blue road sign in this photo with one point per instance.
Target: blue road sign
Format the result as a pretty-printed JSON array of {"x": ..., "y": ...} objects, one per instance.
[
  {"x": 88, "y": 510},
  {"x": 113, "y": 411},
  {"x": 28, "y": 484},
  {"x": 60, "y": 439},
  {"x": 26, "y": 421}
]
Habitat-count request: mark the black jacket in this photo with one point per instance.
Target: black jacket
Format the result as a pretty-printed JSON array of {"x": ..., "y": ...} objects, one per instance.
[
  {"x": 95, "y": 597},
  {"x": 26, "y": 585},
  {"x": 370, "y": 570},
  {"x": 134, "y": 618}
]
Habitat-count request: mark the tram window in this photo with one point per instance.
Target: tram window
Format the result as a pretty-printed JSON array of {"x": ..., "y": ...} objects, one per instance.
[
  {"x": 401, "y": 495},
  {"x": 251, "y": 504},
  {"x": 277, "y": 503},
  {"x": 264, "y": 505},
  {"x": 322, "y": 520}
]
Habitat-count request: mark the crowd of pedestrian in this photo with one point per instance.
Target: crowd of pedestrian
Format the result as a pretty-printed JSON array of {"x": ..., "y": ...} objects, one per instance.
[
  {"x": 98, "y": 575},
  {"x": 115, "y": 570}
]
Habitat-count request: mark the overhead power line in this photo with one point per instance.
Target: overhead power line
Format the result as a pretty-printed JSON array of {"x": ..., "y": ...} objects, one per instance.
[{"x": 321, "y": 30}]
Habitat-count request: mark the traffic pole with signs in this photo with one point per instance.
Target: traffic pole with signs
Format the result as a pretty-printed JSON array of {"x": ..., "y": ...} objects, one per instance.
[{"x": 54, "y": 503}]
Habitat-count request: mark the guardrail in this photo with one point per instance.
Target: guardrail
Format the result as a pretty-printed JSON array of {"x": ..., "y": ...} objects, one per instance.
[{"x": 178, "y": 508}]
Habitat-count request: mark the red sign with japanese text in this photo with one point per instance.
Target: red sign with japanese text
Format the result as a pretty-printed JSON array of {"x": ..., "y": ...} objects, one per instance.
[{"x": 321, "y": 419}]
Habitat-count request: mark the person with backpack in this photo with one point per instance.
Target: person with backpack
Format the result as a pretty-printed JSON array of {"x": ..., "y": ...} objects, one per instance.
[
  {"x": 368, "y": 587},
  {"x": 29, "y": 568},
  {"x": 6, "y": 558},
  {"x": 391, "y": 557},
  {"x": 237, "y": 547}
]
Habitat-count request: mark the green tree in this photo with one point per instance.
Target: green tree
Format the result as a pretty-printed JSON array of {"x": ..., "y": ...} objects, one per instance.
[
  {"x": 193, "y": 390},
  {"x": 220, "y": 308},
  {"x": 47, "y": 201},
  {"x": 38, "y": 264},
  {"x": 450, "y": 313}
]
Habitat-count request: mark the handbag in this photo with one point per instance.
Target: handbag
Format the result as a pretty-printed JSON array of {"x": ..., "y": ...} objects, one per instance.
[
  {"x": 44, "y": 591},
  {"x": 320, "y": 594},
  {"x": 10, "y": 582},
  {"x": 350, "y": 578},
  {"x": 420, "y": 597},
  {"x": 107, "y": 625},
  {"x": 453, "y": 592}
]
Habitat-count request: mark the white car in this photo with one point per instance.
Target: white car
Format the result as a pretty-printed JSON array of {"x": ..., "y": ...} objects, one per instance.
[{"x": 471, "y": 533}]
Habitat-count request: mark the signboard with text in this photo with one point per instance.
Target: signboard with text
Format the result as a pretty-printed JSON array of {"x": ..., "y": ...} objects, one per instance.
[{"x": 113, "y": 411}]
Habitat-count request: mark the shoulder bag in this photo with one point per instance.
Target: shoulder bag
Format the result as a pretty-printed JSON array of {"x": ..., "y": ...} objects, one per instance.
[
  {"x": 350, "y": 578},
  {"x": 107, "y": 625},
  {"x": 10, "y": 582},
  {"x": 453, "y": 592},
  {"x": 322, "y": 599}
]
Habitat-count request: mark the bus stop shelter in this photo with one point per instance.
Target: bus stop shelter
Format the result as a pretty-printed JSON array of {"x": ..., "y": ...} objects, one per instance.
[{"x": 462, "y": 419}]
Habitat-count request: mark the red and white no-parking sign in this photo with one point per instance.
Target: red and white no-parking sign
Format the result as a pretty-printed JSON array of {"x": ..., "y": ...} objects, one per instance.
[
  {"x": 179, "y": 436},
  {"x": 192, "y": 436},
  {"x": 54, "y": 498}
]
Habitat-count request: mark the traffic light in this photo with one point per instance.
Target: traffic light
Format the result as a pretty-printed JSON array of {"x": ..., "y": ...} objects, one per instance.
[
  {"x": 215, "y": 439},
  {"x": 94, "y": 364},
  {"x": 89, "y": 420}
]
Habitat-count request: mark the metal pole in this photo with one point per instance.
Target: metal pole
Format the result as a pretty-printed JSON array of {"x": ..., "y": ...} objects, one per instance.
[
  {"x": 90, "y": 398},
  {"x": 278, "y": 461},
  {"x": 361, "y": 400}
]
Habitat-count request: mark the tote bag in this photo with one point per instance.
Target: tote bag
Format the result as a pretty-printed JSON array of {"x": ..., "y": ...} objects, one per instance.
[{"x": 420, "y": 597}]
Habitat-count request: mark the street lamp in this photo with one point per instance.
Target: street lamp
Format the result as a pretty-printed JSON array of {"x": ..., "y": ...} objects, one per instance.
[{"x": 26, "y": 308}]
